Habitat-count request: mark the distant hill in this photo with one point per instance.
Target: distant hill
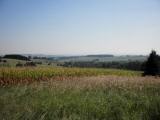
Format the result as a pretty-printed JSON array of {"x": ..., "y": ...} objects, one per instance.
[
  {"x": 107, "y": 55},
  {"x": 16, "y": 56}
]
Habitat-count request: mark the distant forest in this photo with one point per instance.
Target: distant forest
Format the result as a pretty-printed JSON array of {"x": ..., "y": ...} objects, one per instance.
[{"x": 130, "y": 65}]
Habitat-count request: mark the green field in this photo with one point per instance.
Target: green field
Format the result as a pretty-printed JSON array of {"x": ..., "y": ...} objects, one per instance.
[{"x": 47, "y": 93}]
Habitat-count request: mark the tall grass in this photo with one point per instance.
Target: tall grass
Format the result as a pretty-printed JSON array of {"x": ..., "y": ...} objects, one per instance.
[{"x": 85, "y": 98}]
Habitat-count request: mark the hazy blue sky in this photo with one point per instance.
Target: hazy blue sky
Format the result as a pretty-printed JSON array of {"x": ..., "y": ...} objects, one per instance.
[{"x": 79, "y": 26}]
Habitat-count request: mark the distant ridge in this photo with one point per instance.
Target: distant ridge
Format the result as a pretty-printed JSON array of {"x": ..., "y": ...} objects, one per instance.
[{"x": 101, "y": 55}]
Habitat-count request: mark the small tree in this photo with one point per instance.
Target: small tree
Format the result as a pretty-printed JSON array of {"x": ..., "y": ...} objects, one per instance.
[{"x": 152, "y": 66}]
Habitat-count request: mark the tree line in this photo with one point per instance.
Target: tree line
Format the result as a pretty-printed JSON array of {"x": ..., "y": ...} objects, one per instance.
[{"x": 130, "y": 65}]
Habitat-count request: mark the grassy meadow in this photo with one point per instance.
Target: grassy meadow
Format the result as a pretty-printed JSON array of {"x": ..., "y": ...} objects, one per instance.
[{"x": 47, "y": 93}]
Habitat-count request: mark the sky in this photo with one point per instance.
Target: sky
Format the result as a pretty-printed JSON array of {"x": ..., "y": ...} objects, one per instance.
[{"x": 79, "y": 27}]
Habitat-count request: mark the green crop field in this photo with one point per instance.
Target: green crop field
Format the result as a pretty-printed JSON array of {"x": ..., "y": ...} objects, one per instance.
[{"x": 47, "y": 93}]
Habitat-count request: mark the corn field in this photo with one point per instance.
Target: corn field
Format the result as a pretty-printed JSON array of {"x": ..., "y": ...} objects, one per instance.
[{"x": 11, "y": 76}]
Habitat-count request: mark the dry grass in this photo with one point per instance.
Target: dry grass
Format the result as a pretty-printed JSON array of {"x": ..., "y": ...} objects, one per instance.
[
  {"x": 83, "y": 98},
  {"x": 95, "y": 82}
]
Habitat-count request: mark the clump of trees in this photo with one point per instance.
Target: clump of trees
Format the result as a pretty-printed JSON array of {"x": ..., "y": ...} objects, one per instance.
[
  {"x": 18, "y": 57},
  {"x": 27, "y": 64},
  {"x": 30, "y": 64},
  {"x": 19, "y": 64},
  {"x": 4, "y": 61},
  {"x": 152, "y": 65}
]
